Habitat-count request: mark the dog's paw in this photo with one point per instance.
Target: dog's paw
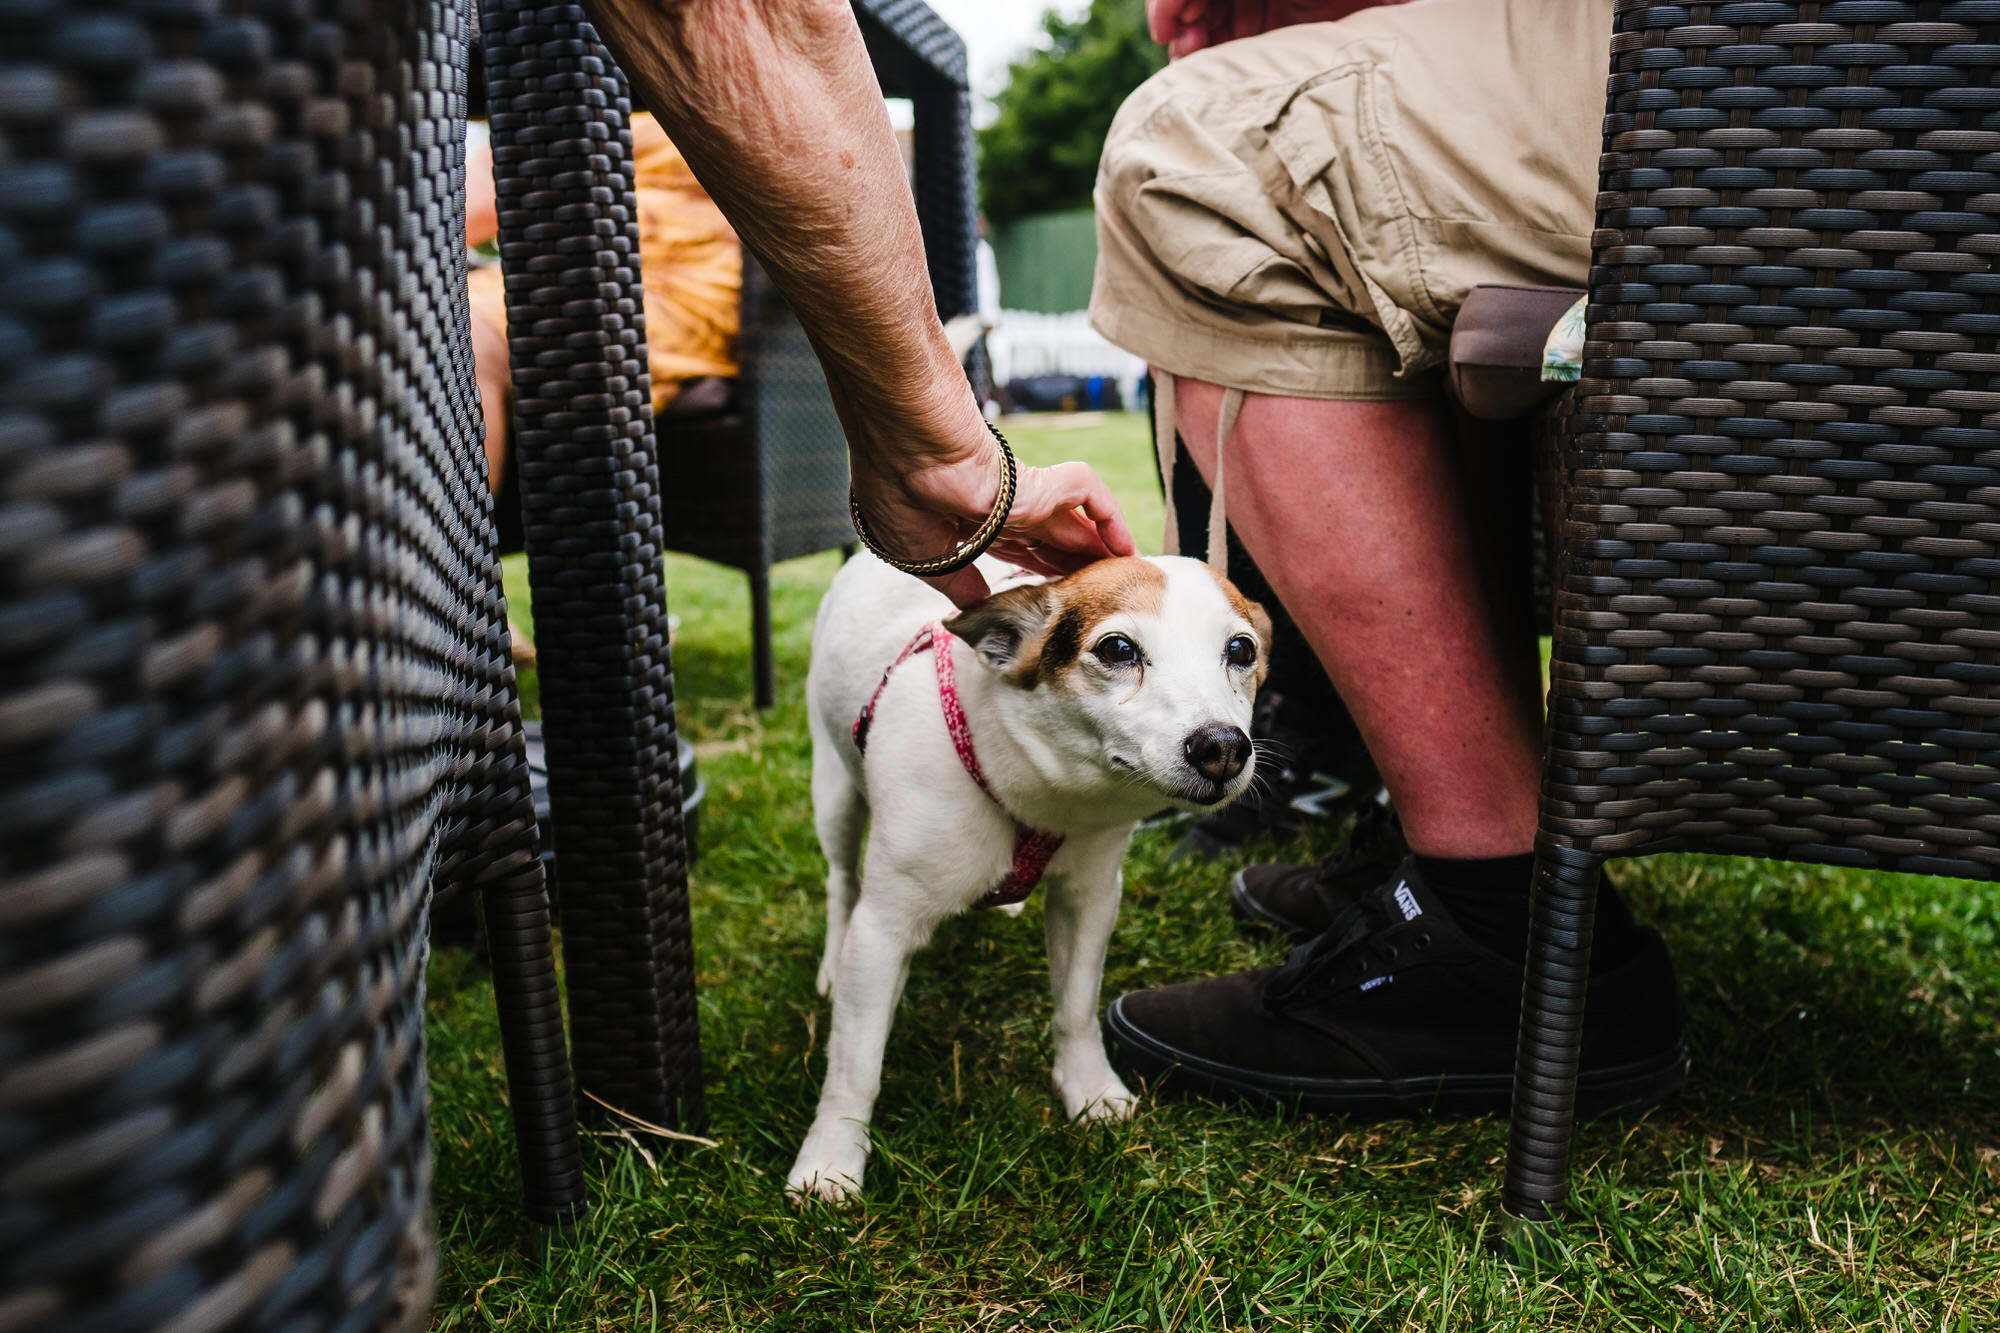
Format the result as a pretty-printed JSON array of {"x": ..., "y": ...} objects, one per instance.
[
  {"x": 1099, "y": 1100},
  {"x": 838, "y": 1191},
  {"x": 1111, "y": 1107},
  {"x": 830, "y": 1164},
  {"x": 1014, "y": 909},
  {"x": 824, "y": 984}
]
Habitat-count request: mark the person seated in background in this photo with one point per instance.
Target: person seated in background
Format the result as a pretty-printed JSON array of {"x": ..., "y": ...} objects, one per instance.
[
  {"x": 691, "y": 265},
  {"x": 1289, "y": 216}
]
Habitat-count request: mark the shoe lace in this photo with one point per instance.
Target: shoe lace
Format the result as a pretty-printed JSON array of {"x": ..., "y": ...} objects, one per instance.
[{"x": 1342, "y": 948}]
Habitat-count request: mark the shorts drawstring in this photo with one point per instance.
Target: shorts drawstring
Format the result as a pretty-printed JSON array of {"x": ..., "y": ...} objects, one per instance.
[
  {"x": 1218, "y": 515},
  {"x": 1165, "y": 423},
  {"x": 1163, "y": 448}
]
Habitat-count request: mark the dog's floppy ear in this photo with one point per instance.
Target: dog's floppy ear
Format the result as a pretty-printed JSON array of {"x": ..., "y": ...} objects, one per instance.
[{"x": 1005, "y": 624}]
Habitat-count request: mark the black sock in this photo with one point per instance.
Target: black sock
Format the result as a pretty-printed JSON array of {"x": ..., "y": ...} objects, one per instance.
[{"x": 1488, "y": 897}]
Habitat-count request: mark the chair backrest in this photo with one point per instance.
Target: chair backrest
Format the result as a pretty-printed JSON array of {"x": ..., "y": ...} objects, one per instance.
[
  {"x": 917, "y": 55},
  {"x": 800, "y": 451},
  {"x": 255, "y": 683},
  {"x": 1776, "y": 627}
]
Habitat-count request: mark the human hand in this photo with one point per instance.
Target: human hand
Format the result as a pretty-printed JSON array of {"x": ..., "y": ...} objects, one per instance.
[
  {"x": 1186, "y": 26},
  {"x": 1064, "y": 517}
]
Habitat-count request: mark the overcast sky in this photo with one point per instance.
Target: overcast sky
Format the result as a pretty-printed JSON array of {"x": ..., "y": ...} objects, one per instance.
[{"x": 995, "y": 32}]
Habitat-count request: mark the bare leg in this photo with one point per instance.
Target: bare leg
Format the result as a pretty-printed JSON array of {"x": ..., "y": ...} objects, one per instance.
[
  {"x": 495, "y": 374},
  {"x": 490, "y": 367},
  {"x": 1355, "y": 513}
]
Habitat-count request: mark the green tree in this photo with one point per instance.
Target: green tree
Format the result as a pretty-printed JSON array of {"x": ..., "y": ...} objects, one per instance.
[{"x": 1040, "y": 153}]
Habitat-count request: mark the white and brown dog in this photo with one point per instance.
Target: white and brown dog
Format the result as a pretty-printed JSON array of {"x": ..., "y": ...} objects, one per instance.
[{"x": 1017, "y": 741}]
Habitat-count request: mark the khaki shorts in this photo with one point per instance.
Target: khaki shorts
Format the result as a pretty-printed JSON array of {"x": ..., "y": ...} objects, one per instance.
[{"x": 1302, "y": 213}]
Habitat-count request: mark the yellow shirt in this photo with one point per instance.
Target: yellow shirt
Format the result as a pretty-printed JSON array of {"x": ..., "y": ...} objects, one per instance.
[{"x": 691, "y": 267}]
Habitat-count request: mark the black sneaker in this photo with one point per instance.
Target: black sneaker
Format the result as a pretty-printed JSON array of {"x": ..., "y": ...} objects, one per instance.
[
  {"x": 1303, "y": 900},
  {"x": 1393, "y": 1010}
]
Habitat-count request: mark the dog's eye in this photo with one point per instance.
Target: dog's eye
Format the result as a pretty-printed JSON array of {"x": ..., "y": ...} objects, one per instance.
[
  {"x": 1116, "y": 650},
  {"x": 1241, "y": 651}
]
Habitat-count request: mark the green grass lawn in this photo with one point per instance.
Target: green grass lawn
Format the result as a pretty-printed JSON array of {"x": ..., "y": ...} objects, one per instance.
[{"x": 1834, "y": 1161}]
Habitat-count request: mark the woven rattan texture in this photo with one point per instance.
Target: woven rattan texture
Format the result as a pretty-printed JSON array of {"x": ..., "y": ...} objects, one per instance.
[
  {"x": 591, "y": 512},
  {"x": 255, "y": 686},
  {"x": 926, "y": 46},
  {"x": 1778, "y": 621},
  {"x": 797, "y": 448},
  {"x": 766, "y": 481},
  {"x": 948, "y": 202}
]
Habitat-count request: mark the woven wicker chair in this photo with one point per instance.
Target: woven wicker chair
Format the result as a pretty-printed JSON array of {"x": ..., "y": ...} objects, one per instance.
[
  {"x": 257, "y": 702},
  {"x": 767, "y": 480},
  {"x": 1779, "y": 479},
  {"x": 256, "y": 698}
]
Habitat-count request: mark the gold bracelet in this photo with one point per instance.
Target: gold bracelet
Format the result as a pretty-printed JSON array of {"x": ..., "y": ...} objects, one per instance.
[{"x": 966, "y": 551}]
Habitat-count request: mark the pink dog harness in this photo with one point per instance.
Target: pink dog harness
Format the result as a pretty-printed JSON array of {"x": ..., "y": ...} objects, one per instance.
[{"x": 1033, "y": 848}]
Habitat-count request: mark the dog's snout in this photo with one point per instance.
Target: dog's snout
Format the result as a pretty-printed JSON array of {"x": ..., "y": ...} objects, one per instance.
[{"x": 1216, "y": 751}]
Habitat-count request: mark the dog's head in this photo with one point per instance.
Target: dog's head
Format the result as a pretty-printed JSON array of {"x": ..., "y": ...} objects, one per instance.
[{"x": 1143, "y": 669}]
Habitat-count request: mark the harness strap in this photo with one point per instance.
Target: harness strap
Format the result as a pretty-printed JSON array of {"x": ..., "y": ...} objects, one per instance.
[
  {"x": 1033, "y": 848},
  {"x": 1218, "y": 512},
  {"x": 866, "y": 718},
  {"x": 1166, "y": 420}
]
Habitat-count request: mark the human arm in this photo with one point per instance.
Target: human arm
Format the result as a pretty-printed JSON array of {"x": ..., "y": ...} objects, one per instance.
[{"x": 775, "y": 106}]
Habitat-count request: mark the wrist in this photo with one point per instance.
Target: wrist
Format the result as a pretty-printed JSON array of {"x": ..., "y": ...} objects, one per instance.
[
  {"x": 953, "y": 471},
  {"x": 964, "y": 484},
  {"x": 943, "y": 493}
]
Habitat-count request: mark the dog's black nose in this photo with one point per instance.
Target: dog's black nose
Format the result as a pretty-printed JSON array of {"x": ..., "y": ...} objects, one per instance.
[{"x": 1216, "y": 751}]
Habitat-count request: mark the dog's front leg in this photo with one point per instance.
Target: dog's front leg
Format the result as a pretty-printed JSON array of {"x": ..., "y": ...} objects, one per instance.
[
  {"x": 1082, "y": 907},
  {"x": 874, "y": 962}
]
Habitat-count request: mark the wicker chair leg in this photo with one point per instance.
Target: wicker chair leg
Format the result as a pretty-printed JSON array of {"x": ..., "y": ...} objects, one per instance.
[
  {"x": 590, "y": 499},
  {"x": 764, "y": 666},
  {"x": 494, "y": 847},
  {"x": 1562, "y": 912},
  {"x": 531, "y": 1036}
]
